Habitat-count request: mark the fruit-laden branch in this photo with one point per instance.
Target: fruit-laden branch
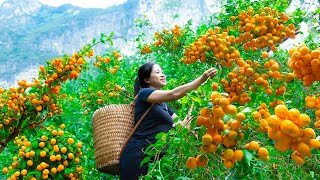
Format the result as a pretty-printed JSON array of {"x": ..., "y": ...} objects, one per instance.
[{"x": 14, "y": 133}]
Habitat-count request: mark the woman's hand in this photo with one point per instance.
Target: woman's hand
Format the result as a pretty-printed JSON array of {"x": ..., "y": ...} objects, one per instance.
[{"x": 210, "y": 73}]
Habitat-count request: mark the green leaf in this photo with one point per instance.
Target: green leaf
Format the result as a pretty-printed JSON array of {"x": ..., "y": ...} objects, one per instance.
[
  {"x": 35, "y": 144},
  {"x": 38, "y": 175},
  {"x": 225, "y": 132},
  {"x": 110, "y": 41},
  {"x": 70, "y": 148},
  {"x": 145, "y": 160},
  {"x": 28, "y": 149},
  {"x": 23, "y": 164},
  {"x": 160, "y": 135},
  {"x": 248, "y": 156},
  {"x": 67, "y": 171},
  {"x": 111, "y": 35}
]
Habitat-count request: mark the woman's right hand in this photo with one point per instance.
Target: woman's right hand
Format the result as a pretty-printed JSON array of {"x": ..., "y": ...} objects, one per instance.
[{"x": 210, "y": 73}]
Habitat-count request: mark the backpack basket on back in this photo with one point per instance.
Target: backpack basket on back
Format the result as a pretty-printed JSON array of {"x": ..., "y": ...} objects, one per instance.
[{"x": 111, "y": 125}]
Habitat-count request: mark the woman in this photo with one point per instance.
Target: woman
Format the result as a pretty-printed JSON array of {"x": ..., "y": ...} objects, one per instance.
[{"x": 160, "y": 118}]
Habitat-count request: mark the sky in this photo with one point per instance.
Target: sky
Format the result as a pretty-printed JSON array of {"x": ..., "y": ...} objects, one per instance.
[{"x": 81, "y": 3}]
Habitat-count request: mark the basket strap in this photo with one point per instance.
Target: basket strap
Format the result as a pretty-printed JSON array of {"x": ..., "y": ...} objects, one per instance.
[
  {"x": 134, "y": 100},
  {"x": 135, "y": 128}
]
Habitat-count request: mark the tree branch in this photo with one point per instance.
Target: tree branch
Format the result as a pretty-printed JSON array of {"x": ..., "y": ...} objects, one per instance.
[{"x": 14, "y": 134}]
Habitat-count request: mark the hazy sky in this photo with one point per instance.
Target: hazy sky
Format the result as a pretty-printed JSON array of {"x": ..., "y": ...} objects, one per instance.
[{"x": 81, "y": 3}]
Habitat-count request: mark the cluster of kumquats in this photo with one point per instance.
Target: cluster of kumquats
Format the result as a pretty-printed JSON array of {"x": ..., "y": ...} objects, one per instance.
[
  {"x": 288, "y": 129},
  {"x": 256, "y": 30},
  {"x": 263, "y": 28},
  {"x": 100, "y": 97},
  {"x": 223, "y": 136},
  {"x": 169, "y": 37},
  {"x": 245, "y": 74},
  {"x": 146, "y": 49},
  {"x": 165, "y": 38},
  {"x": 52, "y": 154},
  {"x": 16, "y": 101},
  {"x": 313, "y": 102},
  {"x": 220, "y": 43},
  {"x": 305, "y": 64},
  {"x": 108, "y": 60}
]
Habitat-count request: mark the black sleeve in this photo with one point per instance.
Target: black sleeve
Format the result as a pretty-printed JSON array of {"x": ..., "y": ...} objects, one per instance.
[{"x": 145, "y": 93}]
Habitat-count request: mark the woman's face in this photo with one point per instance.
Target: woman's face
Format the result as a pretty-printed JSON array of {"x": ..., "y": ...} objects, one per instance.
[{"x": 157, "y": 79}]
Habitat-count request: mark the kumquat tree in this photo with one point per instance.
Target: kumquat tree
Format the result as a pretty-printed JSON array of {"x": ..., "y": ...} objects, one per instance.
[{"x": 258, "y": 118}]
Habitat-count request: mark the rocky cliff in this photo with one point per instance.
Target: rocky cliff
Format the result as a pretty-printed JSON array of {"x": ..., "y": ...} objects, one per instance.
[{"x": 32, "y": 33}]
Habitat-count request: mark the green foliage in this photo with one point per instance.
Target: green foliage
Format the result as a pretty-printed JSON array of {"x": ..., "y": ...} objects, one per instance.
[{"x": 109, "y": 79}]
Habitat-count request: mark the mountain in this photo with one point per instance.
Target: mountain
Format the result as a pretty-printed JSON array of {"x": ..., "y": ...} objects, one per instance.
[{"x": 32, "y": 33}]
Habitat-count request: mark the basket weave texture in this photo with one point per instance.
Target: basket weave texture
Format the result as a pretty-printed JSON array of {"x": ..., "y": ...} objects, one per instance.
[{"x": 111, "y": 126}]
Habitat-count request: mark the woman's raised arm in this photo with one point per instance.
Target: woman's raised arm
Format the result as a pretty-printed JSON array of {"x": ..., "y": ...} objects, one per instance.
[{"x": 180, "y": 91}]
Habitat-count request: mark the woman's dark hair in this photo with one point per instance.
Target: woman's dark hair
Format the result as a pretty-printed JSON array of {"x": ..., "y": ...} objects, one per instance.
[{"x": 144, "y": 72}]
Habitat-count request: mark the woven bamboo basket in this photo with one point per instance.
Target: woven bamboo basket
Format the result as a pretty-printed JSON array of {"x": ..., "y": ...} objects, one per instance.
[{"x": 111, "y": 126}]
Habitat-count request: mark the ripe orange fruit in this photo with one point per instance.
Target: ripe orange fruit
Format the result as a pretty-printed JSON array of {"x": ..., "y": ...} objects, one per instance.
[
  {"x": 238, "y": 155},
  {"x": 204, "y": 148},
  {"x": 53, "y": 141},
  {"x": 217, "y": 111},
  {"x": 232, "y": 134},
  {"x": 265, "y": 55},
  {"x": 298, "y": 158},
  {"x": 281, "y": 111},
  {"x": 274, "y": 121},
  {"x": 231, "y": 109},
  {"x": 215, "y": 86},
  {"x": 41, "y": 144},
  {"x": 5, "y": 170},
  {"x": 217, "y": 139},
  {"x": 191, "y": 163},
  {"x": 45, "y": 98},
  {"x": 212, "y": 148},
  {"x": 43, "y": 154},
  {"x": 224, "y": 102},
  {"x": 263, "y": 152},
  {"x": 240, "y": 117},
  {"x": 54, "y": 170},
  {"x": 314, "y": 143},
  {"x": 201, "y": 161},
  {"x": 45, "y": 172},
  {"x": 200, "y": 121},
  {"x": 228, "y": 154},
  {"x": 62, "y": 126},
  {"x": 60, "y": 133},
  {"x": 24, "y": 172},
  {"x": 205, "y": 112},
  {"x": 39, "y": 108},
  {"x": 207, "y": 139},
  {"x": 304, "y": 149},
  {"x": 235, "y": 125},
  {"x": 227, "y": 142},
  {"x": 52, "y": 158},
  {"x": 43, "y": 165},
  {"x": 254, "y": 146},
  {"x": 294, "y": 114},
  {"x": 70, "y": 141},
  {"x": 60, "y": 168},
  {"x": 79, "y": 144},
  {"x": 308, "y": 133},
  {"x": 70, "y": 156},
  {"x": 228, "y": 164},
  {"x": 54, "y": 132},
  {"x": 63, "y": 149},
  {"x": 29, "y": 162},
  {"x": 289, "y": 128},
  {"x": 304, "y": 120}
]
